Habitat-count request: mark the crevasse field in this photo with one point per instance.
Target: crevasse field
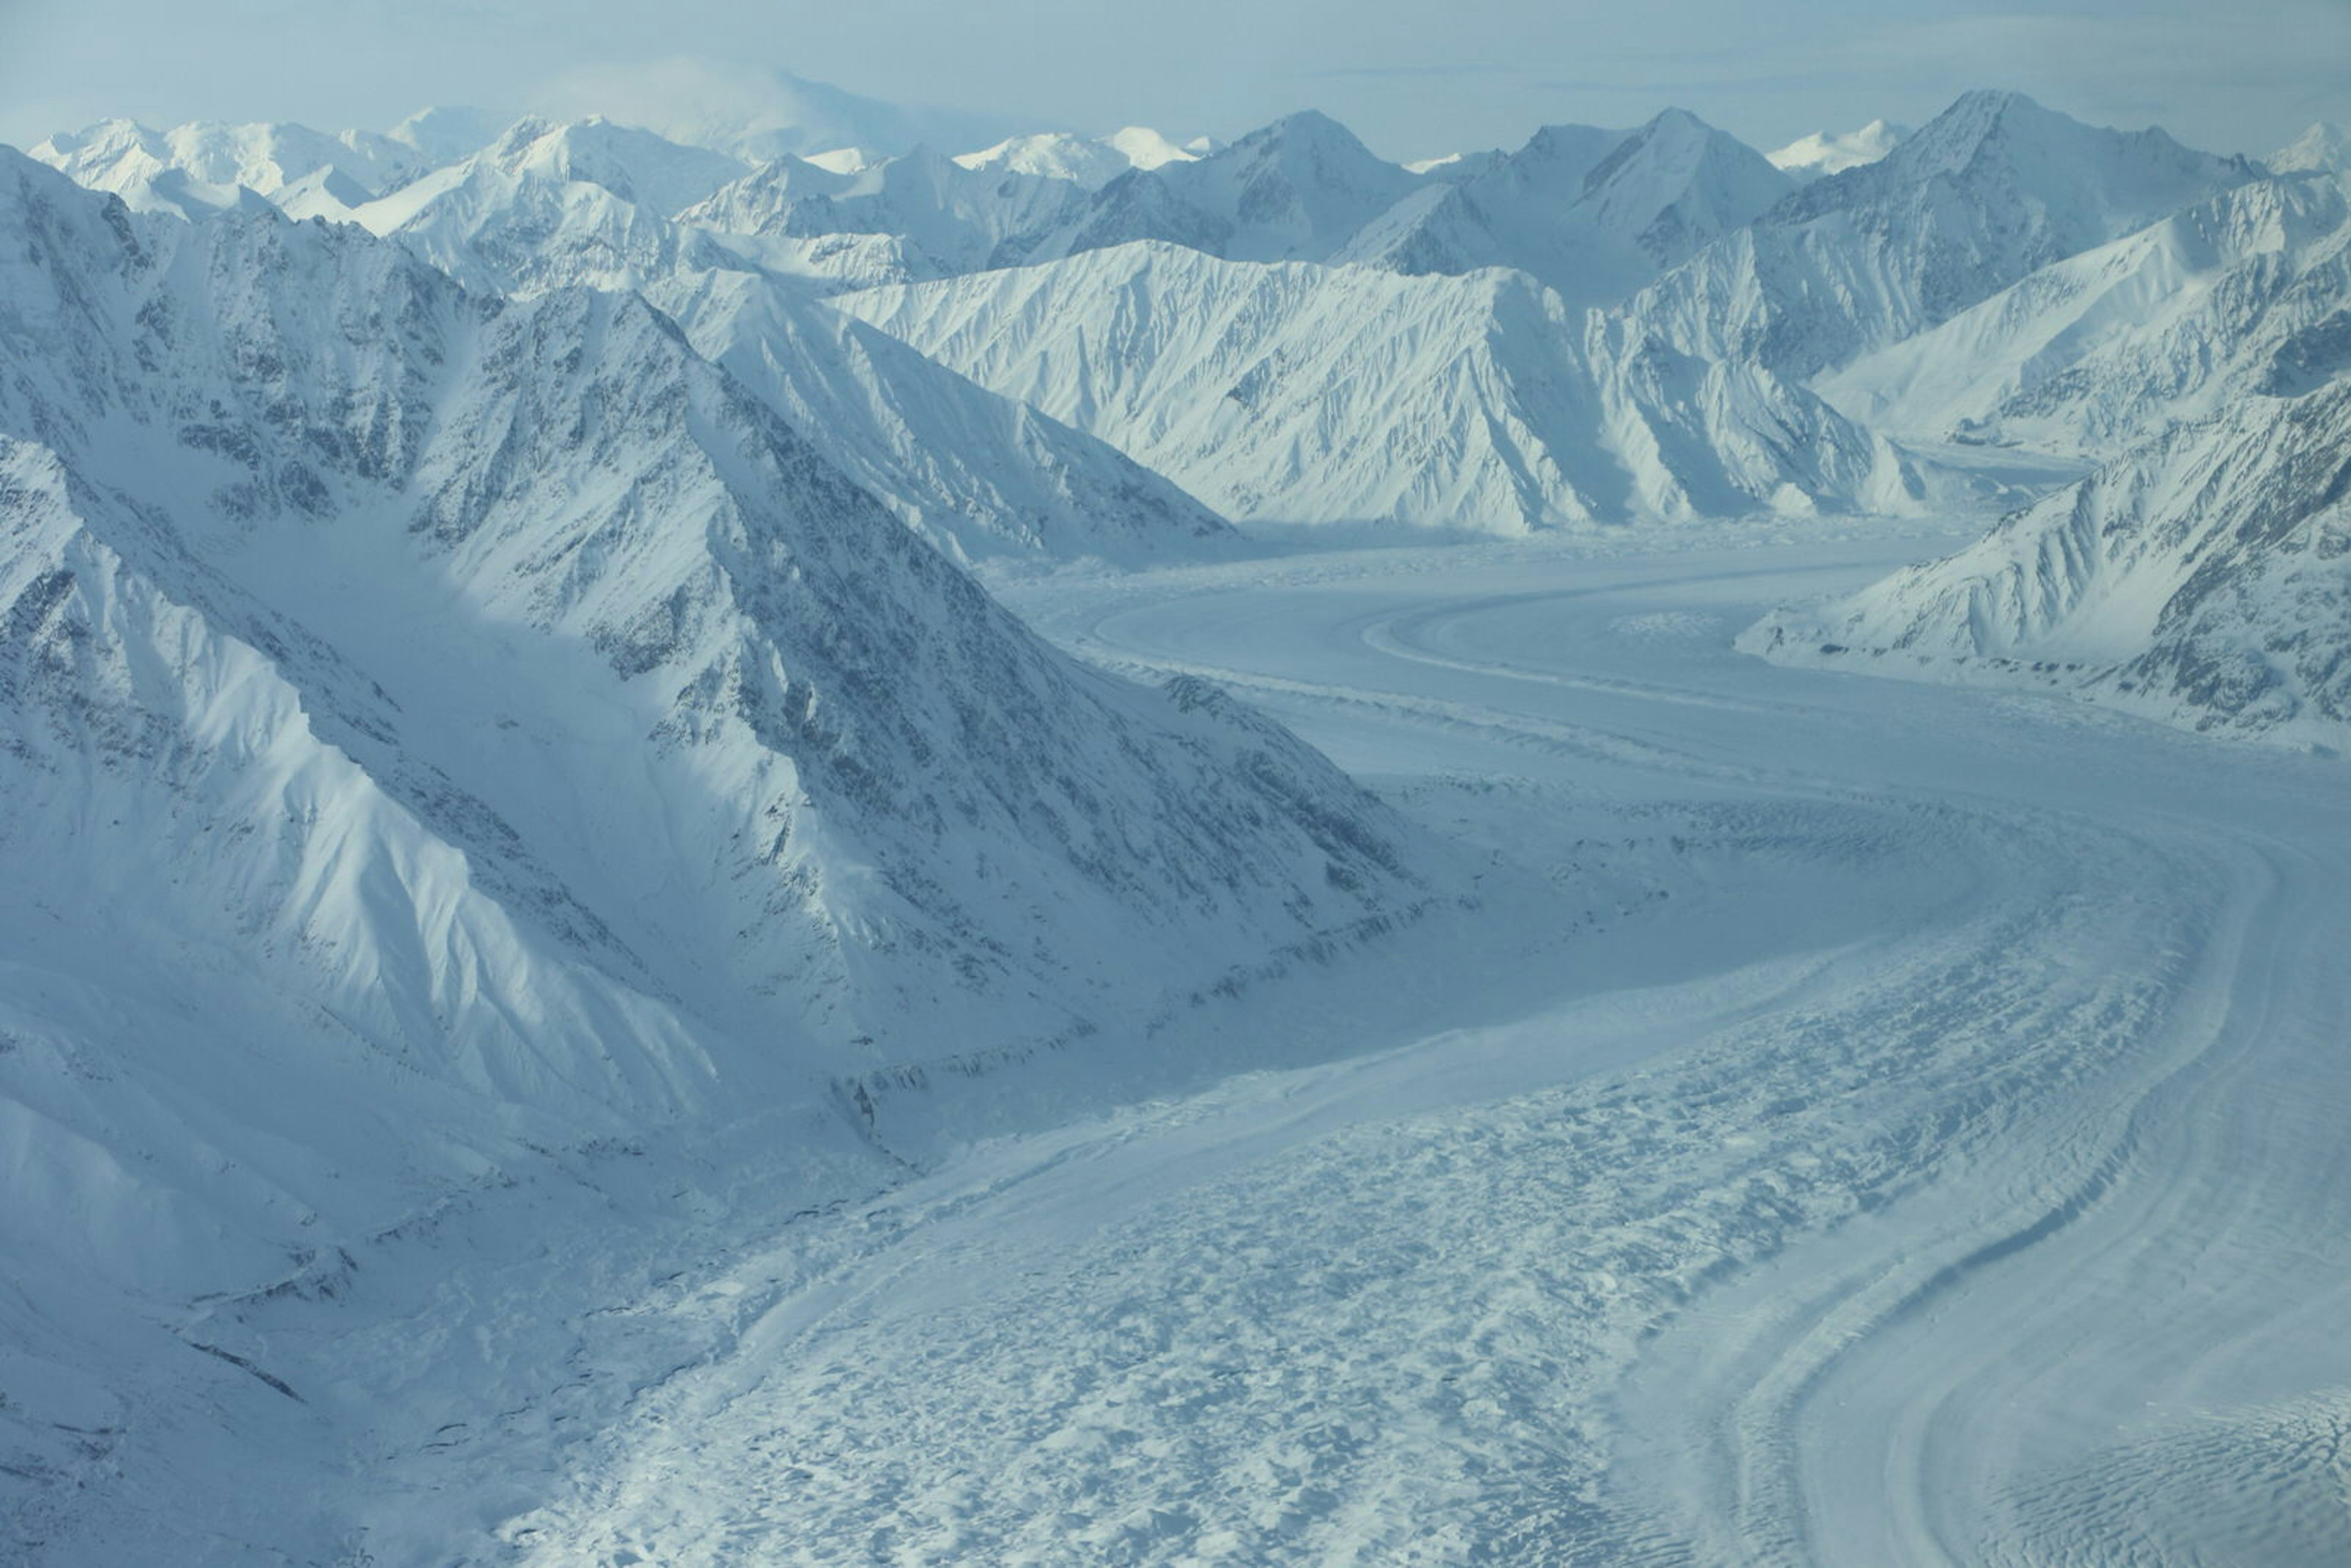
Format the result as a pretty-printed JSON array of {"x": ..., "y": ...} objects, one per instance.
[{"x": 1916, "y": 1136}]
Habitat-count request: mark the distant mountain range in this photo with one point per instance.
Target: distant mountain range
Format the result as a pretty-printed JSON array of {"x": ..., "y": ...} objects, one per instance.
[{"x": 1111, "y": 346}]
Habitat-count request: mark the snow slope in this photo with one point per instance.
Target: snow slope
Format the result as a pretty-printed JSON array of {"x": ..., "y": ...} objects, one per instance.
[
  {"x": 977, "y": 474},
  {"x": 817, "y": 690},
  {"x": 1948, "y": 1170},
  {"x": 1294, "y": 394},
  {"x": 548, "y": 207},
  {"x": 1993, "y": 188},
  {"x": 1593, "y": 215},
  {"x": 2204, "y": 579},
  {"x": 2244, "y": 294},
  {"x": 439, "y": 734}
]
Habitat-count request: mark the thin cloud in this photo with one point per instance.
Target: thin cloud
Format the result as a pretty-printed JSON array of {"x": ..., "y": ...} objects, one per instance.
[{"x": 1411, "y": 70}]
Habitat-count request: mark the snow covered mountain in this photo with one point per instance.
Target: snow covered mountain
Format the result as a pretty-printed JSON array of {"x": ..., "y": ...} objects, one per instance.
[
  {"x": 977, "y": 474},
  {"x": 1994, "y": 188},
  {"x": 945, "y": 218},
  {"x": 547, "y": 207},
  {"x": 1297, "y": 190},
  {"x": 1092, "y": 163},
  {"x": 550, "y": 206},
  {"x": 493, "y": 550},
  {"x": 1593, "y": 214},
  {"x": 2247, "y": 293},
  {"x": 126, "y": 159},
  {"x": 1295, "y": 394},
  {"x": 2322, "y": 149},
  {"x": 1810, "y": 157},
  {"x": 2204, "y": 579}
]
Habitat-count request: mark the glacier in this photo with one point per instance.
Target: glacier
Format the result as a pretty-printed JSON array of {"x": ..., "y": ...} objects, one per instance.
[{"x": 743, "y": 826}]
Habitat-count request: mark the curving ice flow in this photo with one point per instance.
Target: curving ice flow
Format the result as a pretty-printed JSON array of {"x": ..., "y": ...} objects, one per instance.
[{"x": 1918, "y": 1141}]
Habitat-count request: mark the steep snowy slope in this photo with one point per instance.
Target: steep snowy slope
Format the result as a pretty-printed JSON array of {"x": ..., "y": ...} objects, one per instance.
[
  {"x": 1296, "y": 393},
  {"x": 1593, "y": 215},
  {"x": 976, "y": 474},
  {"x": 443, "y": 738},
  {"x": 809, "y": 695},
  {"x": 550, "y": 206},
  {"x": 1814, "y": 157},
  {"x": 2247, "y": 294},
  {"x": 1992, "y": 189},
  {"x": 1297, "y": 190},
  {"x": 948, "y": 218},
  {"x": 2205, "y": 578}
]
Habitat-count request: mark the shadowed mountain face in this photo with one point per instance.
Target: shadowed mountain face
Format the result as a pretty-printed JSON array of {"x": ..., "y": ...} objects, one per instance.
[{"x": 508, "y": 682}]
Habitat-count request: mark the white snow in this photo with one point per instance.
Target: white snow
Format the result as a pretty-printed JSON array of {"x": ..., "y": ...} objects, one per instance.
[
  {"x": 1821, "y": 152},
  {"x": 1291, "y": 393},
  {"x": 1923, "y": 1139},
  {"x": 1092, "y": 163},
  {"x": 650, "y": 920}
]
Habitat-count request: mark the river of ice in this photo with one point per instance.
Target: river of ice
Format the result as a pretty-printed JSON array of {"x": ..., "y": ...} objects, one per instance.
[{"x": 1915, "y": 1135}]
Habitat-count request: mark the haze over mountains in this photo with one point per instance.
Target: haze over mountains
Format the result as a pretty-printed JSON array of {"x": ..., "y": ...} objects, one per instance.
[{"x": 500, "y": 663}]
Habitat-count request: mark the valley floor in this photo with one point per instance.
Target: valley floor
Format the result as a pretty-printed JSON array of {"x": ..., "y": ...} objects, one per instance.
[{"x": 1916, "y": 1137}]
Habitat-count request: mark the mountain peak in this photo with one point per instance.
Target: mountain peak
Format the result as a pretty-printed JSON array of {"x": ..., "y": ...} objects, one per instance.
[
  {"x": 1306, "y": 128},
  {"x": 2323, "y": 149}
]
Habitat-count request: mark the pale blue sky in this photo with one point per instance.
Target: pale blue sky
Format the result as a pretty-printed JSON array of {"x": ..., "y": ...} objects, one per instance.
[{"x": 1415, "y": 77}]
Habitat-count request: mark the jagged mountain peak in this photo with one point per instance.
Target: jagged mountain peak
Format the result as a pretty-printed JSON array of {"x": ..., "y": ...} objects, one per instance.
[
  {"x": 1998, "y": 134},
  {"x": 635, "y": 164},
  {"x": 1298, "y": 189},
  {"x": 1594, "y": 214},
  {"x": 1995, "y": 188}
]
